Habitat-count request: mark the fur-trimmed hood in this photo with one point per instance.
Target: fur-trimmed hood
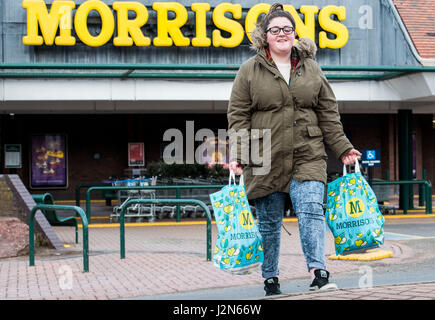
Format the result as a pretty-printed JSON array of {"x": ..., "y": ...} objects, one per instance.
[{"x": 306, "y": 48}]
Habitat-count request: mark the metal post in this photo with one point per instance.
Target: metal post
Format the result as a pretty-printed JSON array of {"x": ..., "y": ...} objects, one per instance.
[
  {"x": 78, "y": 195},
  {"x": 404, "y": 165},
  {"x": 88, "y": 203},
  {"x": 32, "y": 238},
  {"x": 421, "y": 191},
  {"x": 429, "y": 198},
  {"x": 208, "y": 215},
  {"x": 410, "y": 163},
  {"x": 122, "y": 231},
  {"x": 177, "y": 196}
]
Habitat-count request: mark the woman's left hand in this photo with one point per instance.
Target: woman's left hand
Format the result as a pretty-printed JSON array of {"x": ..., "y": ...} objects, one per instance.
[{"x": 349, "y": 158}]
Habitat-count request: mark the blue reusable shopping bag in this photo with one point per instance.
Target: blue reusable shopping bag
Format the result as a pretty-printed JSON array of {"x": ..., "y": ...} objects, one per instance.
[
  {"x": 239, "y": 246},
  {"x": 352, "y": 213}
]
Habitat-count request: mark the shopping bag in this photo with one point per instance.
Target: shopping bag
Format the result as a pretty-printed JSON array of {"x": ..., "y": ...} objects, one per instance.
[
  {"x": 352, "y": 213},
  {"x": 239, "y": 246}
]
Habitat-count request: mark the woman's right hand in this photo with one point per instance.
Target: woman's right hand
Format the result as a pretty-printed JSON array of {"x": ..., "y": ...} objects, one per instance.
[{"x": 236, "y": 168}]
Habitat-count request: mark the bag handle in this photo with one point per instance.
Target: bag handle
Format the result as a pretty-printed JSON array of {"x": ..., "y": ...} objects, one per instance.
[
  {"x": 233, "y": 176},
  {"x": 241, "y": 181},
  {"x": 357, "y": 169}
]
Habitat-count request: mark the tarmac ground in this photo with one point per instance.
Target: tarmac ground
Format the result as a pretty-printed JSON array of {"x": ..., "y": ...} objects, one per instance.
[{"x": 166, "y": 260}]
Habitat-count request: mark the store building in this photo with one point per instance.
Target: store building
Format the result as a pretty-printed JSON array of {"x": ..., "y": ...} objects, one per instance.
[{"x": 83, "y": 82}]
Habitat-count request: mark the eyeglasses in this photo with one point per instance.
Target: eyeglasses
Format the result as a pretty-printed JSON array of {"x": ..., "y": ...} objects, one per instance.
[{"x": 276, "y": 30}]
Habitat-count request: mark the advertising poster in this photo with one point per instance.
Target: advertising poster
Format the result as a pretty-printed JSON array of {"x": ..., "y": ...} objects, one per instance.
[
  {"x": 136, "y": 154},
  {"x": 48, "y": 161}
]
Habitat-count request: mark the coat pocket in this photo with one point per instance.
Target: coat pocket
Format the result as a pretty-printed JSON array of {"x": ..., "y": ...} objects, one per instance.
[
  {"x": 315, "y": 143},
  {"x": 314, "y": 131}
]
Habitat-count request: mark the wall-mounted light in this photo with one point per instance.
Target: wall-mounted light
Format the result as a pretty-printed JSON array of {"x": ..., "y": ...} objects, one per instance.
[{"x": 97, "y": 156}]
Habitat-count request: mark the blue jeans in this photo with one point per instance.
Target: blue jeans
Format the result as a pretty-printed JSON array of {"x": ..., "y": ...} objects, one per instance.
[{"x": 307, "y": 200}]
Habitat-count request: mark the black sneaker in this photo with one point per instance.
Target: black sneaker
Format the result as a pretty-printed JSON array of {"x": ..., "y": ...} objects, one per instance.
[
  {"x": 271, "y": 286},
  {"x": 321, "y": 281}
]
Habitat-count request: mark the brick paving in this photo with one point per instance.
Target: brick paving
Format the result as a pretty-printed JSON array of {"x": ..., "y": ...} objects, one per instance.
[
  {"x": 418, "y": 291},
  {"x": 171, "y": 259}
]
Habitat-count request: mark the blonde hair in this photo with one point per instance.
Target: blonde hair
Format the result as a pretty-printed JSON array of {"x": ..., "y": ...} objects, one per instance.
[{"x": 258, "y": 35}]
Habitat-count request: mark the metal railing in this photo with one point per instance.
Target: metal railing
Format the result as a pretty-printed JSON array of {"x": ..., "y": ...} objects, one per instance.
[
  {"x": 88, "y": 185},
  {"x": 59, "y": 207},
  {"x": 174, "y": 201},
  {"x": 427, "y": 193},
  {"x": 176, "y": 71},
  {"x": 52, "y": 218},
  {"x": 177, "y": 193}
]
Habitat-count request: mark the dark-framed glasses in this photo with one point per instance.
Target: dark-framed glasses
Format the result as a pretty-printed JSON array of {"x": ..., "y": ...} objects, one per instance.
[{"x": 276, "y": 30}]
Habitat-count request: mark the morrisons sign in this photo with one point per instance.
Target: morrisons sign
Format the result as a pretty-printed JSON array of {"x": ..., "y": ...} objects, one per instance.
[{"x": 55, "y": 24}]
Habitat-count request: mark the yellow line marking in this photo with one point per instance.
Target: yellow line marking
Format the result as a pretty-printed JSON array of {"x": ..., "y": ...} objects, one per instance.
[
  {"x": 147, "y": 224},
  {"x": 192, "y": 223},
  {"x": 405, "y": 216},
  {"x": 415, "y": 196},
  {"x": 412, "y": 211},
  {"x": 94, "y": 218},
  {"x": 81, "y": 201}
]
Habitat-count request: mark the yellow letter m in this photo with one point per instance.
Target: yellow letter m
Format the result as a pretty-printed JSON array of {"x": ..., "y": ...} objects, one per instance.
[
  {"x": 355, "y": 208},
  {"x": 59, "y": 17}
]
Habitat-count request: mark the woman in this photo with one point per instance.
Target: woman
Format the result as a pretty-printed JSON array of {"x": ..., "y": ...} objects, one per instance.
[{"x": 283, "y": 90}]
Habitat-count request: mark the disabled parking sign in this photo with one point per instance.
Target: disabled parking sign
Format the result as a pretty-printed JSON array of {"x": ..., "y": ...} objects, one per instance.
[{"x": 371, "y": 158}]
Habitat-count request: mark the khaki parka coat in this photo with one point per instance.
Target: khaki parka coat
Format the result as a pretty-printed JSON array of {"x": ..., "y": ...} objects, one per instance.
[{"x": 298, "y": 119}]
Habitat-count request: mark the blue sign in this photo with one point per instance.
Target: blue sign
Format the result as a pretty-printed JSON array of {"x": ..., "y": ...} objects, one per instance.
[{"x": 371, "y": 158}]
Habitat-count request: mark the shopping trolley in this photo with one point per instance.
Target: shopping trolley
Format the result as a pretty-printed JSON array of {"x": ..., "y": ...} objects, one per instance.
[{"x": 138, "y": 210}]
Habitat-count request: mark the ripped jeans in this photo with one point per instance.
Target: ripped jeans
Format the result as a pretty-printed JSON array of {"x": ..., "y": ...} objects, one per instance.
[{"x": 307, "y": 200}]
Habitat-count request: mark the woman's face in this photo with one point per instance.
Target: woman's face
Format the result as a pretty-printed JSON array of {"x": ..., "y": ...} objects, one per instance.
[{"x": 281, "y": 43}]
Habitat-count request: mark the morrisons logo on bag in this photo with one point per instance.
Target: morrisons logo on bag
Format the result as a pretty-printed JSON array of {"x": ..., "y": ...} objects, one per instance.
[
  {"x": 246, "y": 220},
  {"x": 354, "y": 223},
  {"x": 355, "y": 207}
]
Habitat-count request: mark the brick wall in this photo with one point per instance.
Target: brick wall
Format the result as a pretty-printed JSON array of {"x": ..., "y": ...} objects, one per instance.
[
  {"x": 7, "y": 202},
  {"x": 427, "y": 147},
  {"x": 367, "y": 131},
  {"x": 16, "y": 201},
  {"x": 380, "y": 131}
]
